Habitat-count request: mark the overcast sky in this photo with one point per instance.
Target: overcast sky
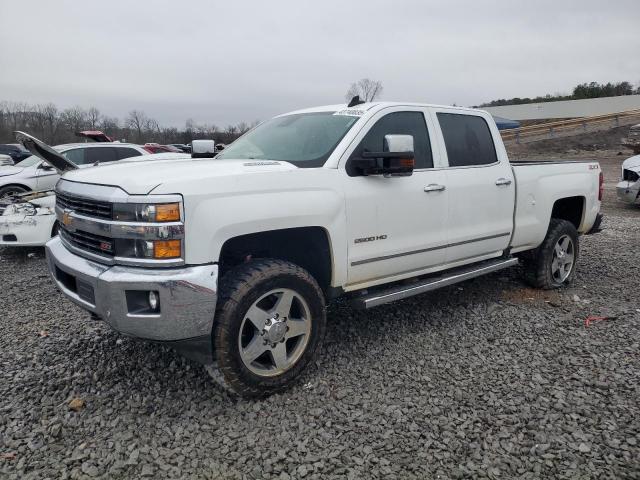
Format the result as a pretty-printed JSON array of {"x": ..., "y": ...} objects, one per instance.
[{"x": 223, "y": 62}]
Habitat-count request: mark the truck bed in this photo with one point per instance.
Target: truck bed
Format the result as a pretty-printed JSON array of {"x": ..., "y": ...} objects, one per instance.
[{"x": 539, "y": 184}]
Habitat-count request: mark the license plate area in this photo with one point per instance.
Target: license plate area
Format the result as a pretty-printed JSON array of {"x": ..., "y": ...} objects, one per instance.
[{"x": 82, "y": 289}]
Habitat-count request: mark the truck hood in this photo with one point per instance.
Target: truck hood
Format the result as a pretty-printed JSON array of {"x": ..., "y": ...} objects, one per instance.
[
  {"x": 140, "y": 178},
  {"x": 9, "y": 170}
]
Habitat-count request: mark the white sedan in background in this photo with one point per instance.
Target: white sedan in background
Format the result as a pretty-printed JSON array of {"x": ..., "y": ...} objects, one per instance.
[
  {"x": 29, "y": 220},
  {"x": 32, "y": 174}
]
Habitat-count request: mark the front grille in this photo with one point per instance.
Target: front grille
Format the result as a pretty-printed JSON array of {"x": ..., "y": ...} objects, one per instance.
[
  {"x": 89, "y": 242},
  {"x": 84, "y": 206},
  {"x": 630, "y": 176}
]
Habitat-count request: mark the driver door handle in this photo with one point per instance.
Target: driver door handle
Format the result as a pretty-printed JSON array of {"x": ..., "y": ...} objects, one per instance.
[
  {"x": 503, "y": 181},
  {"x": 434, "y": 187}
]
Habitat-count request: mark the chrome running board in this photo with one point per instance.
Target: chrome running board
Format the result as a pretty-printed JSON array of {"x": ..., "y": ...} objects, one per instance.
[{"x": 381, "y": 297}]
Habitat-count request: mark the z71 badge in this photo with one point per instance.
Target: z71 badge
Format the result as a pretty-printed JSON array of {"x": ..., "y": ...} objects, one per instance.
[{"x": 370, "y": 239}]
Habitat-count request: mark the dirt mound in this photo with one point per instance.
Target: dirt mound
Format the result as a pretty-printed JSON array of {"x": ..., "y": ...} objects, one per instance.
[{"x": 586, "y": 142}]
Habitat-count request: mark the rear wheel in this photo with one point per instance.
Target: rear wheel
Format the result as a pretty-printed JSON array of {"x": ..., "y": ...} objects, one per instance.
[
  {"x": 10, "y": 190},
  {"x": 553, "y": 264},
  {"x": 269, "y": 324}
]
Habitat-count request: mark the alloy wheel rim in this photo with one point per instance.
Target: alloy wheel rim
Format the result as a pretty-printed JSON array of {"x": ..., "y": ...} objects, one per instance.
[
  {"x": 274, "y": 332},
  {"x": 563, "y": 259},
  {"x": 10, "y": 193}
]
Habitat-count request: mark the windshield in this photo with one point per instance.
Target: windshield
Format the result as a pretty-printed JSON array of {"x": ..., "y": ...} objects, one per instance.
[
  {"x": 29, "y": 161},
  {"x": 304, "y": 139},
  {"x": 32, "y": 160}
]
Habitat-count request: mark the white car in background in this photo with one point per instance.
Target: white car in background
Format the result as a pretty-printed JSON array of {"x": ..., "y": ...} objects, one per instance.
[
  {"x": 629, "y": 187},
  {"x": 29, "y": 220},
  {"x": 32, "y": 174}
]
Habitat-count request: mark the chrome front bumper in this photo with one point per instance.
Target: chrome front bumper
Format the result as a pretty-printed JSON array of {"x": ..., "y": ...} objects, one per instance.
[{"x": 187, "y": 295}]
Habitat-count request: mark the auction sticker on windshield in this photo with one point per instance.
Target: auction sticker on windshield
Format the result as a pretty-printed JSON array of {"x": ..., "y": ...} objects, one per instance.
[{"x": 350, "y": 112}]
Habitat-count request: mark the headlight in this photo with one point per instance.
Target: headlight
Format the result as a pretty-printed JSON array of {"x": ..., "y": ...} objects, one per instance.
[
  {"x": 151, "y": 249},
  {"x": 20, "y": 209},
  {"x": 145, "y": 212}
]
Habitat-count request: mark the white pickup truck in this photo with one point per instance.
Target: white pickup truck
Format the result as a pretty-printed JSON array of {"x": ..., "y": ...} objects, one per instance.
[{"x": 232, "y": 259}]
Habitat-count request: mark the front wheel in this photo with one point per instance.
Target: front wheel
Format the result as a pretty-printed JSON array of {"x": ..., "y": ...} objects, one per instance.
[
  {"x": 269, "y": 324},
  {"x": 11, "y": 190},
  {"x": 553, "y": 264}
]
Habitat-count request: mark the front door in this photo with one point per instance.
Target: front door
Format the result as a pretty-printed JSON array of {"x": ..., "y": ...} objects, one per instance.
[
  {"x": 46, "y": 177},
  {"x": 395, "y": 225}
]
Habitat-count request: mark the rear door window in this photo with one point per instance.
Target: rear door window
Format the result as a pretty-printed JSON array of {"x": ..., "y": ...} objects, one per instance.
[
  {"x": 100, "y": 155},
  {"x": 126, "y": 152},
  {"x": 468, "y": 140}
]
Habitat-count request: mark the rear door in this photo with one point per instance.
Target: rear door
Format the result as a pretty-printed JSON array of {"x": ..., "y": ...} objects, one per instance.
[
  {"x": 480, "y": 183},
  {"x": 395, "y": 225}
]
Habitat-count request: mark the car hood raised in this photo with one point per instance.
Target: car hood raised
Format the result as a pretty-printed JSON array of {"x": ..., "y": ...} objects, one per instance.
[
  {"x": 141, "y": 178},
  {"x": 9, "y": 170},
  {"x": 632, "y": 163}
]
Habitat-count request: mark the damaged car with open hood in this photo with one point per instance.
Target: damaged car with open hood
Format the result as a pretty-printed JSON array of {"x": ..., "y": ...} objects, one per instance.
[
  {"x": 628, "y": 188},
  {"x": 27, "y": 219}
]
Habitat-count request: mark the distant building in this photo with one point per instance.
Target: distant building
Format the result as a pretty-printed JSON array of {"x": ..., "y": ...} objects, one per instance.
[{"x": 567, "y": 108}]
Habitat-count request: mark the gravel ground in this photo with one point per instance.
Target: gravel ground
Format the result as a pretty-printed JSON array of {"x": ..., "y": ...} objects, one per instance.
[{"x": 485, "y": 379}]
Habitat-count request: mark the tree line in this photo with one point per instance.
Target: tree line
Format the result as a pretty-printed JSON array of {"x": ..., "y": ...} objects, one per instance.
[
  {"x": 581, "y": 91},
  {"x": 55, "y": 126}
]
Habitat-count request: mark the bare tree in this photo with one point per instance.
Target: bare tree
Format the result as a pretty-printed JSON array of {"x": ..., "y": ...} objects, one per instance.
[
  {"x": 243, "y": 127},
  {"x": 108, "y": 125},
  {"x": 47, "y": 122},
  {"x": 74, "y": 119},
  {"x": 16, "y": 114},
  {"x": 368, "y": 90},
  {"x": 93, "y": 118},
  {"x": 137, "y": 121}
]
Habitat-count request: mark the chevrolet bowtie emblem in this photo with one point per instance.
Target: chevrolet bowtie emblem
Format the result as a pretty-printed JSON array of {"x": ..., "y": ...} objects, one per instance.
[{"x": 67, "y": 219}]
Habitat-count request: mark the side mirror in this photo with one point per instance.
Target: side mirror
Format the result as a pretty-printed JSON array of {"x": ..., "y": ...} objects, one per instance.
[
  {"x": 203, "y": 148},
  {"x": 396, "y": 160},
  {"x": 45, "y": 167}
]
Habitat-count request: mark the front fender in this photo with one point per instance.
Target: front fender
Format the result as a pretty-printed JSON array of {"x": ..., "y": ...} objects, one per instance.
[{"x": 212, "y": 220}]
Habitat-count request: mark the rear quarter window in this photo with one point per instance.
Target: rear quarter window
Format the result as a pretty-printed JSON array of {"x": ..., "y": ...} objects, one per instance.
[
  {"x": 468, "y": 140},
  {"x": 76, "y": 156},
  {"x": 125, "y": 152}
]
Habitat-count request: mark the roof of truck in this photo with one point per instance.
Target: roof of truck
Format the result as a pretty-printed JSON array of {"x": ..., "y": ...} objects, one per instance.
[{"x": 364, "y": 107}]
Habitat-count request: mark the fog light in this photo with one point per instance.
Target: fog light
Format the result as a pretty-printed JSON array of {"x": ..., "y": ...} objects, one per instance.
[{"x": 154, "y": 301}]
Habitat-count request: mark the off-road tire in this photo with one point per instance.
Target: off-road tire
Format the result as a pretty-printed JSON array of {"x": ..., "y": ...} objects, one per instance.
[
  {"x": 537, "y": 263},
  {"x": 238, "y": 289}
]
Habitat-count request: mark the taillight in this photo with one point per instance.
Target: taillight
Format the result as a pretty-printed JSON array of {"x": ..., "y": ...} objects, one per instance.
[{"x": 601, "y": 186}]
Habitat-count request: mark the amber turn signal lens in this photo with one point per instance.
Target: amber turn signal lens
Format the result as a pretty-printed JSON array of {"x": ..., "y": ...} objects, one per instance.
[
  {"x": 407, "y": 162},
  {"x": 168, "y": 212},
  {"x": 167, "y": 249}
]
